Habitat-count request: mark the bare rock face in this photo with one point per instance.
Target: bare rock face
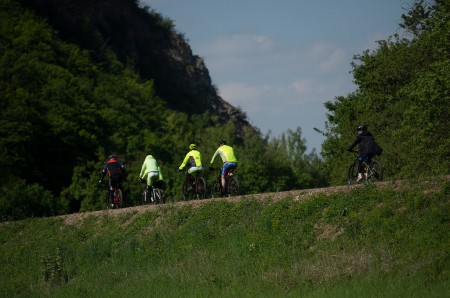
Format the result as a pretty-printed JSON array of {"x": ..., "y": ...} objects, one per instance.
[{"x": 145, "y": 40}]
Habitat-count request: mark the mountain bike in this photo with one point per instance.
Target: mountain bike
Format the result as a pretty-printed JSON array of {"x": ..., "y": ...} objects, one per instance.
[
  {"x": 152, "y": 195},
  {"x": 371, "y": 171},
  {"x": 114, "y": 197},
  {"x": 231, "y": 185},
  {"x": 194, "y": 187}
]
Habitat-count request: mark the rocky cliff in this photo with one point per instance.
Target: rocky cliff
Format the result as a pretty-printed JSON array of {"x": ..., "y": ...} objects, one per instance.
[{"x": 145, "y": 40}]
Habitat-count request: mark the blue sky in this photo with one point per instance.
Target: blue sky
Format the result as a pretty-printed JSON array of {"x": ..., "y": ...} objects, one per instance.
[{"x": 280, "y": 61}]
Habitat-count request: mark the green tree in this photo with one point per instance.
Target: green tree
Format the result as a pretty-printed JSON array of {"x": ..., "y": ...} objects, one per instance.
[{"x": 403, "y": 96}]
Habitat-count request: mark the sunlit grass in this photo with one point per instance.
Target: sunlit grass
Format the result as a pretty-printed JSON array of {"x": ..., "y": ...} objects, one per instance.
[{"x": 366, "y": 243}]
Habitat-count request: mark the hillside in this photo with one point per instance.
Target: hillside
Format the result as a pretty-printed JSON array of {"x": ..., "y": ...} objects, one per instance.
[
  {"x": 431, "y": 184},
  {"x": 384, "y": 240},
  {"x": 81, "y": 80},
  {"x": 145, "y": 40}
]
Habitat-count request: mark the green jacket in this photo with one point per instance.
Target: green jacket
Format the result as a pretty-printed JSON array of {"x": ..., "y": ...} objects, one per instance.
[
  {"x": 193, "y": 157},
  {"x": 226, "y": 153},
  {"x": 150, "y": 165}
]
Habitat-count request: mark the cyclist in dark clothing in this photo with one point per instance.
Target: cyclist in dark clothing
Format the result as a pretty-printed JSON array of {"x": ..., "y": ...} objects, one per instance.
[
  {"x": 366, "y": 147},
  {"x": 115, "y": 170}
]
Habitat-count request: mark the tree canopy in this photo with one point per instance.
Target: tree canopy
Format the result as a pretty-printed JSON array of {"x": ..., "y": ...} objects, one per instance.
[
  {"x": 63, "y": 111},
  {"x": 403, "y": 96}
]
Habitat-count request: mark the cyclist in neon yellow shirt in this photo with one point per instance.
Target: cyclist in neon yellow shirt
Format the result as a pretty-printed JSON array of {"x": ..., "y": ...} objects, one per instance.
[
  {"x": 150, "y": 171},
  {"x": 194, "y": 159},
  {"x": 228, "y": 158}
]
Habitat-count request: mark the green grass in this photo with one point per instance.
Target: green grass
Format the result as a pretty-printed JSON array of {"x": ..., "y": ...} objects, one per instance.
[{"x": 370, "y": 242}]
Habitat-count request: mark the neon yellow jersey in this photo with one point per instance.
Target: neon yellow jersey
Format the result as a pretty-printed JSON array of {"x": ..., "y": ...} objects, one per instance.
[
  {"x": 226, "y": 153},
  {"x": 150, "y": 165},
  {"x": 194, "y": 158}
]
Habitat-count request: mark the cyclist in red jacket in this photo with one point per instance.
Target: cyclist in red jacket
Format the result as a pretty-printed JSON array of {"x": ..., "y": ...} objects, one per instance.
[{"x": 115, "y": 170}]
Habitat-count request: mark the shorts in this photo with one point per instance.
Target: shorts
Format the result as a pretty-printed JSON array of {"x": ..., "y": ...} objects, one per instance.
[{"x": 228, "y": 167}]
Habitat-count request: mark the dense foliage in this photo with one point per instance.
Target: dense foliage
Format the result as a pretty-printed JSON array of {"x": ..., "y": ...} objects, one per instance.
[
  {"x": 62, "y": 112},
  {"x": 403, "y": 95},
  {"x": 369, "y": 242}
]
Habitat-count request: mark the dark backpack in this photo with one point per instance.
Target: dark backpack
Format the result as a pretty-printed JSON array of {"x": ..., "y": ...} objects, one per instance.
[
  {"x": 378, "y": 150},
  {"x": 114, "y": 168}
]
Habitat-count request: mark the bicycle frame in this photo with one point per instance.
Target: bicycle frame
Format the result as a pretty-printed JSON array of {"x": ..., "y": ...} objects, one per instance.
[
  {"x": 197, "y": 186},
  {"x": 114, "y": 199},
  {"x": 371, "y": 168},
  {"x": 218, "y": 182},
  {"x": 152, "y": 195}
]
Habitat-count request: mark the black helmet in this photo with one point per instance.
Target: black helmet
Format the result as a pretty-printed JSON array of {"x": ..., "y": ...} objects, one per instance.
[
  {"x": 222, "y": 142},
  {"x": 112, "y": 156},
  {"x": 361, "y": 128}
]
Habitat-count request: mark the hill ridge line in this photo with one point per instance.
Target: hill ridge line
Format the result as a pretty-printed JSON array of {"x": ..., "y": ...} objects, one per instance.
[{"x": 298, "y": 195}]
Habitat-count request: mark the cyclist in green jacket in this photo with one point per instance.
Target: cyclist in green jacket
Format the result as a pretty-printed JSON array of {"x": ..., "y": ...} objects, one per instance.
[
  {"x": 150, "y": 171},
  {"x": 228, "y": 158}
]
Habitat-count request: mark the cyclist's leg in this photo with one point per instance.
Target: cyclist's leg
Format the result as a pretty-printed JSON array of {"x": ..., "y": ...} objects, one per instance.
[
  {"x": 194, "y": 173},
  {"x": 150, "y": 177},
  {"x": 112, "y": 186},
  {"x": 361, "y": 159},
  {"x": 232, "y": 167},
  {"x": 223, "y": 174},
  {"x": 195, "y": 170},
  {"x": 227, "y": 168}
]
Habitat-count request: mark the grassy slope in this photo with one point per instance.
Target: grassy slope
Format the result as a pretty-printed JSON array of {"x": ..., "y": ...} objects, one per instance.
[{"x": 369, "y": 242}]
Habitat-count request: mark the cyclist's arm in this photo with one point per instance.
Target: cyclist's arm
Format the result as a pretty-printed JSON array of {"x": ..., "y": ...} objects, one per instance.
[
  {"x": 183, "y": 164},
  {"x": 103, "y": 172},
  {"x": 358, "y": 140},
  {"x": 144, "y": 167},
  {"x": 213, "y": 158}
]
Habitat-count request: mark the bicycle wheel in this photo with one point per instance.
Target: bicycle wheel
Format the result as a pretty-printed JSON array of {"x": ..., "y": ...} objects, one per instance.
[
  {"x": 232, "y": 186},
  {"x": 216, "y": 189},
  {"x": 157, "y": 196},
  {"x": 186, "y": 193},
  {"x": 375, "y": 171},
  {"x": 145, "y": 197},
  {"x": 119, "y": 196},
  {"x": 352, "y": 173},
  {"x": 200, "y": 188},
  {"x": 108, "y": 201},
  {"x": 163, "y": 196}
]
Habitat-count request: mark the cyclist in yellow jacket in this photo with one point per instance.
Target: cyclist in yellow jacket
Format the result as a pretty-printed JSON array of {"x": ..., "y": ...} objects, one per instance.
[
  {"x": 194, "y": 159},
  {"x": 150, "y": 171},
  {"x": 228, "y": 158}
]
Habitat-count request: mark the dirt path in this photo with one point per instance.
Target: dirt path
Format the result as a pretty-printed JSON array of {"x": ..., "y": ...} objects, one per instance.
[{"x": 433, "y": 185}]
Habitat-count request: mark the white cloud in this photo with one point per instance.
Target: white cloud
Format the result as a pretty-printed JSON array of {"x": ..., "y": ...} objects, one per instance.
[
  {"x": 328, "y": 57},
  {"x": 334, "y": 61},
  {"x": 241, "y": 94},
  {"x": 302, "y": 86},
  {"x": 237, "y": 45}
]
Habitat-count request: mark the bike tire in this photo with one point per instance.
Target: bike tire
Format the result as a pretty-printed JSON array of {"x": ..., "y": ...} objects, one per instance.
[
  {"x": 375, "y": 171},
  {"x": 232, "y": 186},
  {"x": 119, "y": 195},
  {"x": 186, "y": 194},
  {"x": 157, "y": 196},
  {"x": 145, "y": 197},
  {"x": 352, "y": 173},
  {"x": 216, "y": 189},
  {"x": 201, "y": 188},
  {"x": 163, "y": 196},
  {"x": 108, "y": 200}
]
